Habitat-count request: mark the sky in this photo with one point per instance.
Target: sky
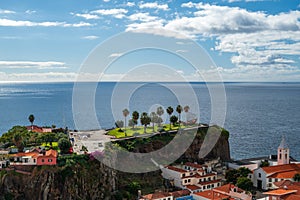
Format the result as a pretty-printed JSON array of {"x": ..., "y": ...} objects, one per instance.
[{"x": 248, "y": 40}]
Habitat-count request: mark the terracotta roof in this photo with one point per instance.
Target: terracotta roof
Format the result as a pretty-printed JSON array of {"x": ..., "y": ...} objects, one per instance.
[
  {"x": 283, "y": 183},
  {"x": 292, "y": 197},
  {"x": 176, "y": 169},
  {"x": 227, "y": 188},
  {"x": 193, "y": 187},
  {"x": 209, "y": 194},
  {"x": 180, "y": 193},
  {"x": 51, "y": 152},
  {"x": 209, "y": 175},
  {"x": 280, "y": 192},
  {"x": 289, "y": 174},
  {"x": 157, "y": 195},
  {"x": 281, "y": 168},
  {"x": 194, "y": 165}
]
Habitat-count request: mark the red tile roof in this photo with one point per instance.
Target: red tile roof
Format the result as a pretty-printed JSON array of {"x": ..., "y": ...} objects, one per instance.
[
  {"x": 227, "y": 188},
  {"x": 280, "y": 192},
  {"x": 193, "y": 187},
  {"x": 176, "y": 169},
  {"x": 285, "y": 175},
  {"x": 281, "y": 168},
  {"x": 194, "y": 165},
  {"x": 157, "y": 195},
  {"x": 180, "y": 193},
  {"x": 209, "y": 194},
  {"x": 292, "y": 197}
]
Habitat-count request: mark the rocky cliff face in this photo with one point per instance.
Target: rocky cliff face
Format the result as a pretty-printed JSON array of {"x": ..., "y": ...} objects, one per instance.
[{"x": 90, "y": 179}]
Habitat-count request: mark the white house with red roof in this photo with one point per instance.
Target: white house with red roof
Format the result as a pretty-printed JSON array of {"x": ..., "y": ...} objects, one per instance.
[
  {"x": 265, "y": 177},
  {"x": 192, "y": 176},
  {"x": 287, "y": 190},
  {"x": 35, "y": 157},
  {"x": 228, "y": 191},
  {"x": 181, "y": 194}
]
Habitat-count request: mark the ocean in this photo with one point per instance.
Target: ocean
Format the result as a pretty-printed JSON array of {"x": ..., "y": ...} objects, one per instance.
[{"x": 257, "y": 116}]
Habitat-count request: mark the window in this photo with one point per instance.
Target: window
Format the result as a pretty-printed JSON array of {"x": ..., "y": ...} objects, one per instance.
[
  {"x": 280, "y": 156},
  {"x": 204, "y": 187},
  {"x": 218, "y": 184},
  {"x": 212, "y": 185},
  {"x": 208, "y": 186},
  {"x": 214, "y": 178},
  {"x": 276, "y": 180},
  {"x": 270, "y": 185},
  {"x": 49, "y": 160},
  {"x": 34, "y": 160},
  {"x": 169, "y": 198},
  {"x": 285, "y": 156},
  {"x": 204, "y": 179},
  {"x": 270, "y": 180},
  {"x": 183, "y": 175},
  {"x": 189, "y": 180},
  {"x": 42, "y": 160},
  {"x": 259, "y": 175},
  {"x": 185, "y": 181},
  {"x": 191, "y": 173},
  {"x": 208, "y": 178}
]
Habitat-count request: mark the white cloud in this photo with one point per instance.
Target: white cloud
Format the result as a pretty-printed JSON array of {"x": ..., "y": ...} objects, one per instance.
[
  {"x": 8, "y": 22},
  {"x": 7, "y": 12},
  {"x": 90, "y": 37},
  {"x": 115, "y": 12},
  {"x": 30, "y": 12},
  {"x": 87, "y": 16},
  {"x": 32, "y": 65},
  {"x": 144, "y": 17},
  {"x": 130, "y": 4},
  {"x": 154, "y": 5},
  {"x": 106, "y": 1}
]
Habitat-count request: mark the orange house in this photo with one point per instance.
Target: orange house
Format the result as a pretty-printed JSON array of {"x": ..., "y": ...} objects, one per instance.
[{"x": 48, "y": 159}]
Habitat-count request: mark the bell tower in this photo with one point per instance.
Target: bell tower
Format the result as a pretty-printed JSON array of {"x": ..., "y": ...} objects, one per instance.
[{"x": 283, "y": 153}]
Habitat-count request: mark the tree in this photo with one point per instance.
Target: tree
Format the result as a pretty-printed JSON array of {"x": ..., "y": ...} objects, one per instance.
[
  {"x": 179, "y": 110},
  {"x": 64, "y": 145},
  {"x": 18, "y": 141},
  {"x": 125, "y": 114},
  {"x": 131, "y": 123},
  {"x": 119, "y": 123},
  {"x": 296, "y": 177},
  {"x": 231, "y": 176},
  {"x": 264, "y": 163},
  {"x": 31, "y": 120},
  {"x": 170, "y": 111},
  {"x": 244, "y": 183},
  {"x": 186, "y": 110},
  {"x": 154, "y": 119},
  {"x": 173, "y": 119},
  {"x": 244, "y": 172},
  {"x": 135, "y": 117},
  {"x": 145, "y": 120},
  {"x": 160, "y": 111}
]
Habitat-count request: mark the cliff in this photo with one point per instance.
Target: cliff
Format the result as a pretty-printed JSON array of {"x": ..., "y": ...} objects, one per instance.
[{"x": 80, "y": 177}]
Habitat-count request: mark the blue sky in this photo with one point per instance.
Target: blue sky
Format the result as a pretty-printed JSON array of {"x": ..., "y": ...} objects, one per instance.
[{"x": 249, "y": 40}]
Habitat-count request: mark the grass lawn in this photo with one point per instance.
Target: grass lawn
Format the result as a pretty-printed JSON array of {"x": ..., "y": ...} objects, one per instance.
[{"x": 140, "y": 130}]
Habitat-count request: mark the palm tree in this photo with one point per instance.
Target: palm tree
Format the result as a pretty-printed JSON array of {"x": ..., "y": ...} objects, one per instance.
[
  {"x": 125, "y": 114},
  {"x": 135, "y": 117},
  {"x": 145, "y": 120},
  {"x": 179, "y": 110},
  {"x": 31, "y": 120},
  {"x": 170, "y": 111},
  {"x": 154, "y": 118},
  {"x": 18, "y": 140},
  {"x": 186, "y": 110},
  {"x": 159, "y": 111}
]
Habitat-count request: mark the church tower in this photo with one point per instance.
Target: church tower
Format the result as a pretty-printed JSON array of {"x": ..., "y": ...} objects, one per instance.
[{"x": 283, "y": 153}]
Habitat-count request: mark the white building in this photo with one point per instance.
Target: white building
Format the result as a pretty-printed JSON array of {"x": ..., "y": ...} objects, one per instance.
[{"x": 191, "y": 176}]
